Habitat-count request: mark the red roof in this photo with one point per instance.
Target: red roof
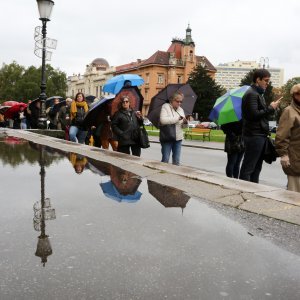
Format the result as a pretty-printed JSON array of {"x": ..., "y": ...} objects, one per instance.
[
  {"x": 176, "y": 48},
  {"x": 158, "y": 58}
]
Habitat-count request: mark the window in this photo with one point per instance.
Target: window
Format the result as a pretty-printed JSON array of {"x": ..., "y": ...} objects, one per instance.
[
  {"x": 147, "y": 78},
  {"x": 179, "y": 79},
  {"x": 160, "y": 79}
]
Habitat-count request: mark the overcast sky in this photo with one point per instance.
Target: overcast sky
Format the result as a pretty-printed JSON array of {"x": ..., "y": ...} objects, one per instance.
[{"x": 123, "y": 31}]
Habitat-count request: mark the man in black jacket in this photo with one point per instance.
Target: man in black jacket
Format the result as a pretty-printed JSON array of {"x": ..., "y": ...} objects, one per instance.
[{"x": 255, "y": 113}]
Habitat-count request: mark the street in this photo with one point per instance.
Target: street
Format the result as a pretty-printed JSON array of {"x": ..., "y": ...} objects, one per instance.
[{"x": 215, "y": 161}]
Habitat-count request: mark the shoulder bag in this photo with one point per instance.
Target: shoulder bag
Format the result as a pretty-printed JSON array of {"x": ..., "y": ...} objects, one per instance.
[
  {"x": 143, "y": 137},
  {"x": 167, "y": 133},
  {"x": 270, "y": 153}
]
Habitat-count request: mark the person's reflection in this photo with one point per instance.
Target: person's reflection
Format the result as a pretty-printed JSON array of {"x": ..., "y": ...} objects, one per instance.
[
  {"x": 42, "y": 212},
  {"x": 78, "y": 162}
]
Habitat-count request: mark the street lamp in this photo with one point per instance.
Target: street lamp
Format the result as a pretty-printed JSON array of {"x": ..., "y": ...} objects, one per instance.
[
  {"x": 42, "y": 212},
  {"x": 45, "y": 10},
  {"x": 264, "y": 61}
]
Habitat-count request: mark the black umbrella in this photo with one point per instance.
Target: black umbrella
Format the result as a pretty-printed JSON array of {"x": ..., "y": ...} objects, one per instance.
[
  {"x": 163, "y": 97},
  {"x": 33, "y": 103},
  {"x": 50, "y": 100},
  {"x": 89, "y": 99},
  {"x": 168, "y": 196},
  {"x": 98, "y": 112}
]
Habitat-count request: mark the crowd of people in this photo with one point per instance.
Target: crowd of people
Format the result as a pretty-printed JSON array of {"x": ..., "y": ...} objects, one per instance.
[{"x": 245, "y": 141}]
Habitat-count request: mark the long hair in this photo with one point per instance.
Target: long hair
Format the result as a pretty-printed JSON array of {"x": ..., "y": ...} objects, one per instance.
[{"x": 80, "y": 93}]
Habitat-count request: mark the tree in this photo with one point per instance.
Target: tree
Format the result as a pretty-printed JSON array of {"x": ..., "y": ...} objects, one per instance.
[
  {"x": 286, "y": 89},
  {"x": 206, "y": 89},
  {"x": 268, "y": 95},
  {"x": 10, "y": 77},
  {"x": 21, "y": 84}
]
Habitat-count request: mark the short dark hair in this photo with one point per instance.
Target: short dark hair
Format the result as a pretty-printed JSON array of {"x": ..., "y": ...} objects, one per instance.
[{"x": 260, "y": 73}]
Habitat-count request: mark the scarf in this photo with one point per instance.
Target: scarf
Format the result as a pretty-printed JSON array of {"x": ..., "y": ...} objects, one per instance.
[
  {"x": 74, "y": 105},
  {"x": 258, "y": 89}
]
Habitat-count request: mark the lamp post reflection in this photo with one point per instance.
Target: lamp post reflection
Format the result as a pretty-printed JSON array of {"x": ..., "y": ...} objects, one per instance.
[{"x": 42, "y": 212}]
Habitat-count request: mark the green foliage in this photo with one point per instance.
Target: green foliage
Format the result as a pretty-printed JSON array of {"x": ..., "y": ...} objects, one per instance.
[
  {"x": 21, "y": 84},
  {"x": 269, "y": 94},
  {"x": 286, "y": 91},
  {"x": 10, "y": 78},
  {"x": 207, "y": 91}
]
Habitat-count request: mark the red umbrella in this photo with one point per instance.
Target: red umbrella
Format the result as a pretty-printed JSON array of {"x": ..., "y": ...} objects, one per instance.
[
  {"x": 13, "y": 140},
  {"x": 12, "y": 110},
  {"x": 9, "y": 103}
]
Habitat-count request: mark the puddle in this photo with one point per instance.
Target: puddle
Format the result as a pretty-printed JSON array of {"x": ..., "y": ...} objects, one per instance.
[{"x": 79, "y": 228}]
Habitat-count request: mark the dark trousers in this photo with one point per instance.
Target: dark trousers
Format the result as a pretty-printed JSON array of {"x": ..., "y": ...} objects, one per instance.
[
  {"x": 135, "y": 149},
  {"x": 253, "y": 158},
  {"x": 233, "y": 164}
]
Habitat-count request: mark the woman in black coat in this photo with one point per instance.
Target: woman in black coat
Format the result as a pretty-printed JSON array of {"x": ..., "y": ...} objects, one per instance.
[
  {"x": 125, "y": 126},
  {"x": 234, "y": 147}
]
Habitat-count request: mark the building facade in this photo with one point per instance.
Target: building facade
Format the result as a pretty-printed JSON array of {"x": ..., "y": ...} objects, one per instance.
[
  {"x": 159, "y": 70},
  {"x": 230, "y": 74},
  {"x": 165, "y": 67},
  {"x": 93, "y": 79}
]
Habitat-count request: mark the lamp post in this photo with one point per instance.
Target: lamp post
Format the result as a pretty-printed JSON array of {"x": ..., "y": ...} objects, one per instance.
[
  {"x": 45, "y": 10},
  {"x": 264, "y": 61},
  {"x": 42, "y": 212}
]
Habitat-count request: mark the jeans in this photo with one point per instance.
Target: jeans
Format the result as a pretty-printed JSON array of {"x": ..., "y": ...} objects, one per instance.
[
  {"x": 166, "y": 149},
  {"x": 77, "y": 135},
  {"x": 253, "y": 158},
  {"x": 233, "y": 164}
]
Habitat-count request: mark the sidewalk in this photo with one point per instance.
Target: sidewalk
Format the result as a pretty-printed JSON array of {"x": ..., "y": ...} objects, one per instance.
[{"x": 194, "y": 143}]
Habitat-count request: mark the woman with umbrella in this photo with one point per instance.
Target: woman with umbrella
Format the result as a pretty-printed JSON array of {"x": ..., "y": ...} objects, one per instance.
[
  {"x": 78, "y": 110},
  {"x": 125, "y": 126},
  {"x": 172, "y": 118}
]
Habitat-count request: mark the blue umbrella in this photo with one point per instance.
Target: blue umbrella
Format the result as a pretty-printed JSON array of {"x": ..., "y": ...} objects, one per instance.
[
  {"x": 111, "y": 192},
  {"x": 228, "y": 108},
  {"x": 115, "y": 84}
]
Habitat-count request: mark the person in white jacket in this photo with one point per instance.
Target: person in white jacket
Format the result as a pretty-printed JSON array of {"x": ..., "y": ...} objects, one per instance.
[{"x": 171, "y": 134}]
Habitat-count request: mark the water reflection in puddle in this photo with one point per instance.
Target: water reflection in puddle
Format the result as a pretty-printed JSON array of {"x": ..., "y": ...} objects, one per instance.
[{"x": 104, "y": 233}]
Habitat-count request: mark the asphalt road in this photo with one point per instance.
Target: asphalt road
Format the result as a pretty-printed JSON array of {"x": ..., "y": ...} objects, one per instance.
[{"x": 215, "y": 161}]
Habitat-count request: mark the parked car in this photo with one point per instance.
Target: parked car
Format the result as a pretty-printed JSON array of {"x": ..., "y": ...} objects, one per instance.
[
  {"x": 211, "y": 125},
  {"x": 147, "y": 122},
  {"x": 193, "y": 124},
  {"x": 273, "y": 129}
]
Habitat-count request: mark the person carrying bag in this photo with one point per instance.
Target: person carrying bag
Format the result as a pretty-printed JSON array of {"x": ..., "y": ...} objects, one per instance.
[{"x": 171, "y": 134}]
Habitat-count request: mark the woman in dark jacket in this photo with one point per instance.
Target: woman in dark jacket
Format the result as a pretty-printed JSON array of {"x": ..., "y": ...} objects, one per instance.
[
  {"x": 125, "y": 126},
  {"x": 234, "y": 147}
]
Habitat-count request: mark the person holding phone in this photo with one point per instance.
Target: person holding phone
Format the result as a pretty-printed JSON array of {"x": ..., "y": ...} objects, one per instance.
[
  {"x": 255, "y": 114},
  {"x": 172, "y": 114}
]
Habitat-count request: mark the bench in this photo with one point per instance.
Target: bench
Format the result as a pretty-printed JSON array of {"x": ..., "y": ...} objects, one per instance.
[{"x": 204, "y": 132}]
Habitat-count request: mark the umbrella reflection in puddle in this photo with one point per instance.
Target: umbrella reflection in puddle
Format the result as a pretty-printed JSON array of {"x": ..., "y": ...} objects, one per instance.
[
  {"x": 168, "y": 196},
  {"x": 121, "y": 185}
]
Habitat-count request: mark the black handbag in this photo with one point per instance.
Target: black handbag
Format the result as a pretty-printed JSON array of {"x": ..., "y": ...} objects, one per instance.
[
  {"x": 143, "y": 138},
  {"x": 167, "y": 133},
  {"x": 270, "y": 153}
]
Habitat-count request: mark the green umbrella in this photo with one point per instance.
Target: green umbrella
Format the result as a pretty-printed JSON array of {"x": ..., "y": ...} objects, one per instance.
[{"x": 228, "y": 108}]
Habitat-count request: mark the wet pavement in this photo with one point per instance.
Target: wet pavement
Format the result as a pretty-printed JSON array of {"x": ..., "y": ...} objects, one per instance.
[{"x": 107, "y": 233}]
